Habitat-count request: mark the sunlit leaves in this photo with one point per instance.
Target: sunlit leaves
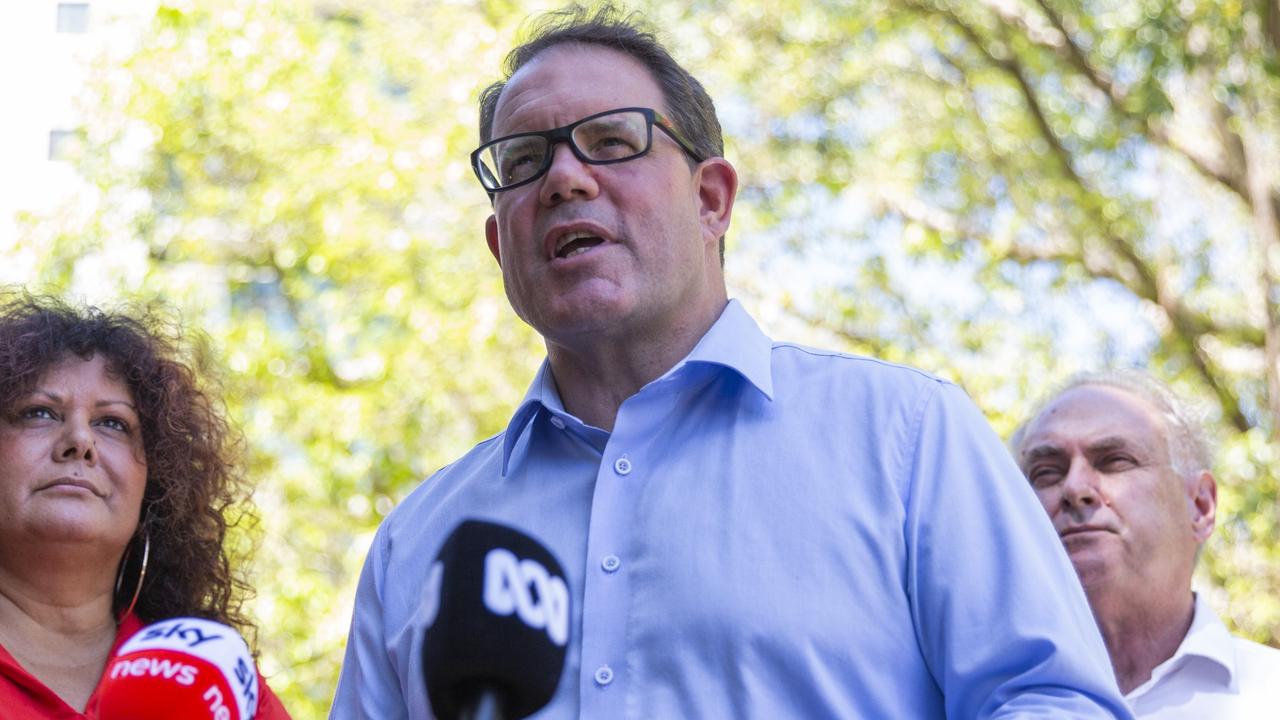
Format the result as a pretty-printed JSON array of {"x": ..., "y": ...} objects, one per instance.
[{"x": 999, "y": 192}]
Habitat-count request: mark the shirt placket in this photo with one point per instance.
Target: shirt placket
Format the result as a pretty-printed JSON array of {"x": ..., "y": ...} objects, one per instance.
[{"x": 604, "y": 676}]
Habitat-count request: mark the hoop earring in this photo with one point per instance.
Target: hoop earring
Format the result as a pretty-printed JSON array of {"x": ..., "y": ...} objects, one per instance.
[{"x": 142, "y": 574}]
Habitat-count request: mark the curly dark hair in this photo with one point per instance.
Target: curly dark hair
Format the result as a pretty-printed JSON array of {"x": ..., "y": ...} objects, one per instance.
[{"x": 195, "y": 491}]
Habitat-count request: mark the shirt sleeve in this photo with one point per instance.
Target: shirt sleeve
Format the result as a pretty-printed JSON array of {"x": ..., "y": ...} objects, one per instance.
[
  {"x": 368, "y": 686},
  {"x": 999, "y": 613}
]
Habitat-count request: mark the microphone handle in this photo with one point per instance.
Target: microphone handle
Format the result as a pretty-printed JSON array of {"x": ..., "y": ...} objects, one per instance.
[{"x": 487, "y": 705}]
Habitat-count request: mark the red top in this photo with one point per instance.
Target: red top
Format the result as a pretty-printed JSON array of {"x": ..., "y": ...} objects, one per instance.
[{"x": 23, "y": 696}]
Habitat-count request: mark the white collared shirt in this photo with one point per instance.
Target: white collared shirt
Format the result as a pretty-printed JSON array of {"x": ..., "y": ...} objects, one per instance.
[{"x": 1213, "y": 676}]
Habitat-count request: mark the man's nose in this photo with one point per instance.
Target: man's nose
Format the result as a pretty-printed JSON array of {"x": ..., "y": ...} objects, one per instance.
[
  {"x": 568, "y": 178},
  {"x": 1080, "y": 488}
]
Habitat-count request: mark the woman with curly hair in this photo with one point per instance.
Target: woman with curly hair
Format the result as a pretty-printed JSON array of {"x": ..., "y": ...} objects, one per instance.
[{"x": 118, "y": 483}]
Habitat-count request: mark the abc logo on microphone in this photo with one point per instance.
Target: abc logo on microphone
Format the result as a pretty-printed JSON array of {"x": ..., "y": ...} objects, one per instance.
[
  {"x": 180, "y": 668},
  {"x": 524, "y": 587},
  {"x": 498, "y": 612}
]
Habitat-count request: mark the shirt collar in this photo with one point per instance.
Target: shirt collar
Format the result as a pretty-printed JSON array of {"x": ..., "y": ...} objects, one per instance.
[
  {"x": 734, "y": 342},
  {"x": 542, "y": 394},
  {"x": 1207, "y": 638}
]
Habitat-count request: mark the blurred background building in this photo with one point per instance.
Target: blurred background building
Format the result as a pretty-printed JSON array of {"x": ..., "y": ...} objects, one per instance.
[{"x": 45, "y": 51}]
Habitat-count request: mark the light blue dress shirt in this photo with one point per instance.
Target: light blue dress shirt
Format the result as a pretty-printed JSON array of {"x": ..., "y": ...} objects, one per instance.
[{"x": 770, "y": 531}]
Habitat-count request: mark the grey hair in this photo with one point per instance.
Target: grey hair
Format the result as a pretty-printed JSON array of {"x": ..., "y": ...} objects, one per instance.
[{"x": 1186, "y": 438}]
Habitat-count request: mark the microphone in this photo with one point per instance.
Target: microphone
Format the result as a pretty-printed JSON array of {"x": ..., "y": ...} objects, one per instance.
[
  {"x": 498, "y": 624},
  {"x": 180, "y": 668}
]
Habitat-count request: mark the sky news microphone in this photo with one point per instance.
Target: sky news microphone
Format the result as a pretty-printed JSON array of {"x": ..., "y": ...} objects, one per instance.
[
  {"x": 180, "y": 668},
  {"x": 496, "y": 645}
]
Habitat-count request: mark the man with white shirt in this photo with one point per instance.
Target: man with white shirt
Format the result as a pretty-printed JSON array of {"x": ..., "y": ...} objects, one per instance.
[{"x": 1123, "y": 471}]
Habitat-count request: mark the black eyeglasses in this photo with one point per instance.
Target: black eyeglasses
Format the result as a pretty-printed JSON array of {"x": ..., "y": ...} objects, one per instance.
[{"x": 612, "y": 136}]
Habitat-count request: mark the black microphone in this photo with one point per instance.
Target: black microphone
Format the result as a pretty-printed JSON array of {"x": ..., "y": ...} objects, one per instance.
[{"x": 496, "y": 643}]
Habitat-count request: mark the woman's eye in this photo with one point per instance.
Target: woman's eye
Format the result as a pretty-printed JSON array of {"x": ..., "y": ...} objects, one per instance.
[
  {"x": 114, "y": 423},
  {"x": 37, "y": 412}
]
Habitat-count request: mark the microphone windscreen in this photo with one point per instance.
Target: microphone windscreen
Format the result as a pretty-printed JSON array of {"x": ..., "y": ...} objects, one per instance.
[
  {"x": 180, "y": 668},
  {"x": 501, "y": 621}
]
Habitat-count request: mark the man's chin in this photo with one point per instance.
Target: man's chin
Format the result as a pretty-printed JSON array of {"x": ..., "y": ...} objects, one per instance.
[
  {"x": 584, "y": 314},
  {"x": 1092, "y": 564}
]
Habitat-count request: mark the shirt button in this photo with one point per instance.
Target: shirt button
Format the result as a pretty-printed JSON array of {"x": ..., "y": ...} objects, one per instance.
[
  {"x": 604, "y": 675},
  {"x": 611, "y": 563},
  {"x": 557, "y": 422},
  {"x": 622, "y": 465}
]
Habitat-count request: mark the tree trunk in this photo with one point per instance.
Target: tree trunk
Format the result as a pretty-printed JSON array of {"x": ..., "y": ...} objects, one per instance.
[{"x": 1266, "y": 226}]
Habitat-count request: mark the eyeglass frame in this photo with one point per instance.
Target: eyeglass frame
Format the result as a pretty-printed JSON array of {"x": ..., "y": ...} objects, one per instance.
[{"x": 564, "y": 134}]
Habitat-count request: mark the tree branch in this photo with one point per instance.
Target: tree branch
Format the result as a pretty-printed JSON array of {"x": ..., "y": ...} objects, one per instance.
[
  {"x": 1143, "y": 280},
  {"x": 1075, "y": 55},
  {"x": 1155, "y": 130},
  {"x": 1147, "y": 282},
  {"x": 1212, "y": 377},
  {"x": 1271, "y": 23}
]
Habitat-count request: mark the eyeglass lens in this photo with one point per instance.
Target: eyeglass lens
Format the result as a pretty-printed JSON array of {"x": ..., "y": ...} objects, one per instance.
[{"x": 608, "y": 138}]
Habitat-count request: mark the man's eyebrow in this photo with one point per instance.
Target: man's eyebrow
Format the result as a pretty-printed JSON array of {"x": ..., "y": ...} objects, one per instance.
[{"x": 1042, "y": 451}]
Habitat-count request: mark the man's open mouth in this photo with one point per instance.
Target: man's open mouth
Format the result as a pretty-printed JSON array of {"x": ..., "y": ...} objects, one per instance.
[{"x": 576, "y": 243}]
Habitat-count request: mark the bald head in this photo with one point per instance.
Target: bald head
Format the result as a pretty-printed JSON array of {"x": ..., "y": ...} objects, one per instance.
[
  {"x": 1131, "y": 503},
  {"x": 1183, "y": 432}
]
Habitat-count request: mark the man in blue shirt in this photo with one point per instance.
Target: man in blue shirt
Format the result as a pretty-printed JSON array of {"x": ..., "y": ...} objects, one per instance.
[{"x": 749, "y": 529}]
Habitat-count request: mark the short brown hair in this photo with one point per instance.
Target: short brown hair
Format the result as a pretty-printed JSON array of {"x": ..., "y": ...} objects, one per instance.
[{"x": 688, "y": 105}]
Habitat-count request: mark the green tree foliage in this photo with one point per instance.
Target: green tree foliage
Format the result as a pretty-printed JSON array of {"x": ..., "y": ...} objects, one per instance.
[
  {"x": 1000, "y": 191},
  {"x": 294, "y": 176}
]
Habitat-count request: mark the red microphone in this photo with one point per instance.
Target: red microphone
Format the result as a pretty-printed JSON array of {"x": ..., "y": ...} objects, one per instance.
[{"x": 180, "y": 668}]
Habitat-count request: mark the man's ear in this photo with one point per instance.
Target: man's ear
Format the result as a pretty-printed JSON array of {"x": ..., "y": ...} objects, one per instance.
[
  {"x": 717, "y": 188},
  {"x": 491, "y": 235},
  {"x": 1204, "y": 505}
]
